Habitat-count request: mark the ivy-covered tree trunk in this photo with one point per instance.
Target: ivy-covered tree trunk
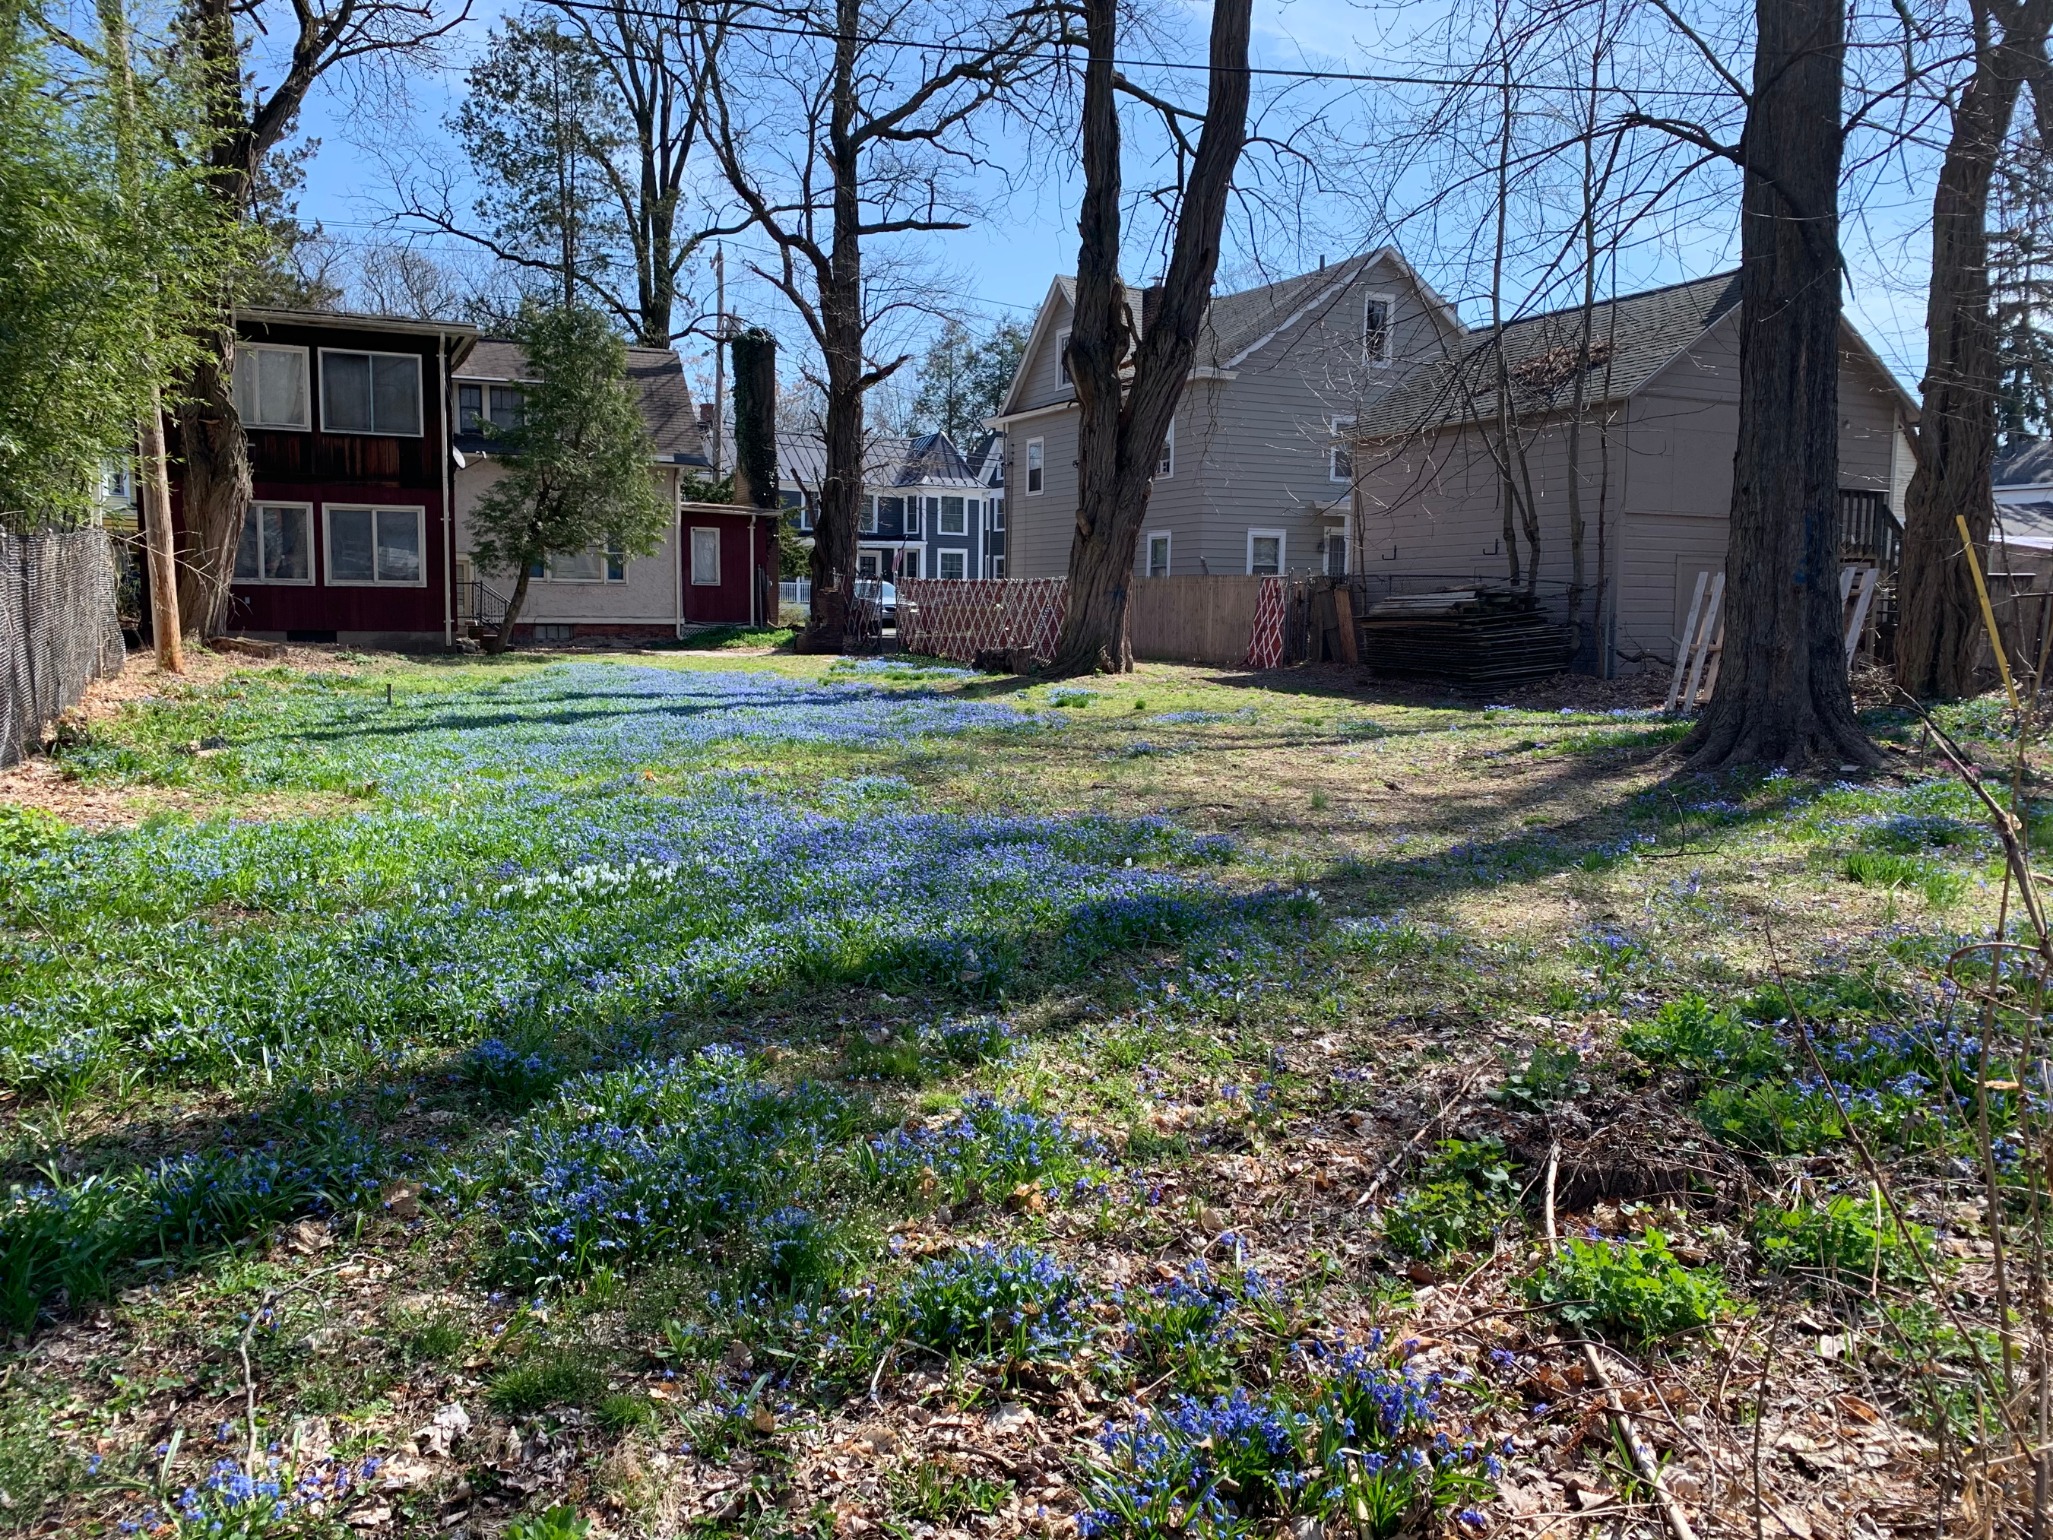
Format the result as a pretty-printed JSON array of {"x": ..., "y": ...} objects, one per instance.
[{"x": 755, "y": 418}]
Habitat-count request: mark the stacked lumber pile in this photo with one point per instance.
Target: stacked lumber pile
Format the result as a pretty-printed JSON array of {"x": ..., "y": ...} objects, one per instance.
[{"x": 1470, "y": 636}]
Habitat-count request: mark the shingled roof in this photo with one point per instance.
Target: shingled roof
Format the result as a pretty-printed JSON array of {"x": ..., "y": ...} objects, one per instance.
[
  {"x": 2025, "y": 464},
  {"x": 1633, "y": 337},
  {"x": 657, "y": 375}
]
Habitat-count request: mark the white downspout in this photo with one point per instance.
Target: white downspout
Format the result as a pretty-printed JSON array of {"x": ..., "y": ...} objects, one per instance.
[
  {"x": 678, "y": 554},
  {"x": 445, "y": 447}
]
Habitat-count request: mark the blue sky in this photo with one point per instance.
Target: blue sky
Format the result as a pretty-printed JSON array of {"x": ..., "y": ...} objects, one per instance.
[{"x": 1001, "y": 267}]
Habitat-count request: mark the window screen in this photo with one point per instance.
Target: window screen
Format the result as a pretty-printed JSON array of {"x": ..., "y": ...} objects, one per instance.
[
  {"x": 375, "y": 546},
  {"x": 277, "y": 545},
  {"x": 371, "y": 393},
  {"x": 271, "y": 387}
]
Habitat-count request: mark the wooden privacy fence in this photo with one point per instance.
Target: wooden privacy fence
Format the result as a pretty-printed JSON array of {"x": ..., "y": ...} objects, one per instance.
[{"x": 1208, "y": 620}]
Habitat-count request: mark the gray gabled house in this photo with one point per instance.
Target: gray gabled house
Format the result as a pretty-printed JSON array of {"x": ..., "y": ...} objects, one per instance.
[
  {"x": 1652, "y": 473},
  {"x": 1255, "y": 477}
]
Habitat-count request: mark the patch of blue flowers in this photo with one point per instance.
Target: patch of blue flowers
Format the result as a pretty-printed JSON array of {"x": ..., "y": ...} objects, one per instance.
[
  {"x": 69, "y": 1239},
  {"x": 322, "y": 947},
  {"x": 229, "y": 1501},
  {"x": 1354, "y": 1446},
  {"x": 990, "y": 1301},
  {"x": 988, "y": 1149},
  {"x": 653, "y": 1160}
]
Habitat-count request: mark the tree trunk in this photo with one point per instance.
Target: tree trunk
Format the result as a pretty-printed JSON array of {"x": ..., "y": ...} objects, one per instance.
[
  {"x": 216, "y": 486},
  {"x": 1782, "y": 695},
  {"x": 1121, "y": 433},
  {"x": 503, "y": 637},
  {"x": 1939, "y": 631},
  {"x": 841, "y": 325},
  {"x": 755, "y": 418}
]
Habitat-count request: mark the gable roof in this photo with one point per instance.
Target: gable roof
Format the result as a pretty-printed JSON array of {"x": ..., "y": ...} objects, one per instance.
[
  {"x": 1633, "y": 338},
  {"x": 657, "y": 375},
  {"x": 931, "y": 459},
  {"x": 2027, "y": 463},
  {"x": 1238, "y": 324}
]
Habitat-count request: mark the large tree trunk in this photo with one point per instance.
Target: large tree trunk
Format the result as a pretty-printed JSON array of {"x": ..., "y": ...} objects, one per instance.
[
  {"x": 1120, "y": 434},
  {"x": 841, "y": 323},
  {"x": 1782, "y": 694},
  {"x": 216, "y": 486},
  {"x": 1939, "y": 631}
]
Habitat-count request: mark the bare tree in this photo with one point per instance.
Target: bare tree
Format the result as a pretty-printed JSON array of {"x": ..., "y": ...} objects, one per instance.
[
  {"x": 840, "y": 125},
  {"x": 248, "y": 118},
  {"x": 645, "y": 68},
  {"x": 1939, "y": 634},
  {"x": 1127, "y": 386},
  {"x": 1782, "y": 694}
]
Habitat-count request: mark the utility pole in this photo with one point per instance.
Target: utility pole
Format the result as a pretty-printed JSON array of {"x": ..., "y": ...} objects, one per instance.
[
  {"x": 719, "y": 349},
  {"x": 153, "y": 483}
]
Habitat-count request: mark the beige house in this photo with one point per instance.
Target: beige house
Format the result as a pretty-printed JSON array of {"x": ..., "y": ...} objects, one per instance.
[
  {"x": 1660, "y": 393},
  {"x": 595, "y": 593},
  {"x": 1255, "y": 476}
]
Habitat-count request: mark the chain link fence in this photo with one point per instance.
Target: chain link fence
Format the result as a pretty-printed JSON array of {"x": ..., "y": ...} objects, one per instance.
[{"x": 58, "y": 629}]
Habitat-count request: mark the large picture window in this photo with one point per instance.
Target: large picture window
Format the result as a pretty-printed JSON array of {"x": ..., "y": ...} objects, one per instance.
[
  {"x": 371, "y": 393},
  {"x": 277, "y": 544},
  {"x": 600, "y": 564},
  {"x": 375, "y": 547},
  {"x": 271, "y": 386}
]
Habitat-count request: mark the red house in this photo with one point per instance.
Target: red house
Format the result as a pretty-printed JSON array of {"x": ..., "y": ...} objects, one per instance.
[{"x": 352, "y": 534}]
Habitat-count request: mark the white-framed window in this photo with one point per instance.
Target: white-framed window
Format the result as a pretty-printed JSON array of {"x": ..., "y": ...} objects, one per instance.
[
  {"x": 909, "y": 564},
  {"x": 868, "y": 564},
  {"x": 1336, "y": 553},
  {"x": 954, "y": 521},
  {"x": 365, "y": 392},
  {"x": 866, "y": 518},
  {"x": 1377, "y": 310},
  {"x": 997, "y": 507},
  {"x": 600, "y": 564},
  {"x": 705, "y": 556},
  {"x": 1036, "y": 457},
  {"x": 1340, "y": 453},
  {"x": 277, "y": 544},
  {"x": 117, "y": 481},
  {"x": 997, "y": 566},
  {"x": 802, "y": 511},
  {"x": 1158, "y": 554},
  {"x": 1265, "y": 553},
  {"x": 955, "y": 564},
  {"x": 375, "y": 547},
  {"x": 1062, "y": 357},
  {"x": 1166, "y": 466},
  {"x": 500, "y": 405},
  {"x": 271, "y": 386},
  {"x": 910, "y": 514}
]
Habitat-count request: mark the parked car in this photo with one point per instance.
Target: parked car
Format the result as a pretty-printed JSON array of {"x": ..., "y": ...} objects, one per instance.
[{"x": 882, "y": 594}]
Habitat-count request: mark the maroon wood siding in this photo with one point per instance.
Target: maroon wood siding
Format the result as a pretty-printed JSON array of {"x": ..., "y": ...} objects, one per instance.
[
  {"x": 747, "y": 546},
  {"x": 357, "y": 470}
]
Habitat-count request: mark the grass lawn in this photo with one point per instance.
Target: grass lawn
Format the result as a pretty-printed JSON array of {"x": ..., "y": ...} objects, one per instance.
[{"x": 721, "y": 1092}]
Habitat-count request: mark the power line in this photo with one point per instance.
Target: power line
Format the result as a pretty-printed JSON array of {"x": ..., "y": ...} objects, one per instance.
[{"x": 1351, "y": 77}]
